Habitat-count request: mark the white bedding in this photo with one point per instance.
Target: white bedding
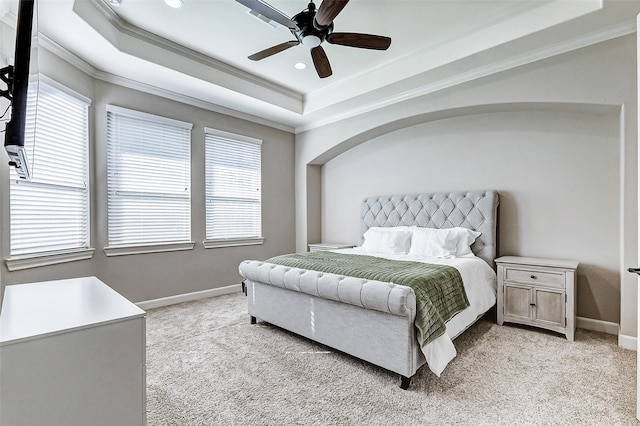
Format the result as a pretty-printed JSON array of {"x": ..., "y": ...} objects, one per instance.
[{"x": 480, "y": 285}]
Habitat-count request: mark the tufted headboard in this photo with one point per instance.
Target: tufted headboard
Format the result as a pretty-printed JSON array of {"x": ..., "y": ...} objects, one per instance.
[{"x": 476, "y": 210}]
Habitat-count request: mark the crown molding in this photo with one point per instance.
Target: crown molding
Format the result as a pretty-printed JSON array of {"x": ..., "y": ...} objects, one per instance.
[
  {"x": 189, "y": 100},
  {"x": 58, "y": 50},
  {"x": 516, "y": 10},
  {"x": 132, "y": 31},
  {"x": 6, "y": 16},
  {"x": 325, "y": 117},
  {"x": 47, "y": 43},
  {"x": 586, "y": 40}
]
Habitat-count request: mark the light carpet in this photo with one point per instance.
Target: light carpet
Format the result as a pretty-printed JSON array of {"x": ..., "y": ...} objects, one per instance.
[{"x": 207, "y": 365}]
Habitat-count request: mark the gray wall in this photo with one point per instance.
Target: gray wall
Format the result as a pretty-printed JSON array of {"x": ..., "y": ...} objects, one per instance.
[
  {"x": 557, "y": 138},
  {"x": 552, "y": 204},
  {"x": 150, "y": 276}
]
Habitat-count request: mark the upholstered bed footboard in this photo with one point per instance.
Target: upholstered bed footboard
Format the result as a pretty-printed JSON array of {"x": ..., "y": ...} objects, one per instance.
[
  {"x": 369, "y": 294},
  {"x": 381, "y": 338}
]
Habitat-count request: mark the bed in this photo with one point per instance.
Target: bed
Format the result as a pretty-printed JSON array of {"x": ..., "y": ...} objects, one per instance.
[{"x": 374, "y": 319}]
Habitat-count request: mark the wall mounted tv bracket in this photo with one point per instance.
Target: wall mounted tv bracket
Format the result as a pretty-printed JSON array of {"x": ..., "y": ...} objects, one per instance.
[{"x": 17, "y": 153}]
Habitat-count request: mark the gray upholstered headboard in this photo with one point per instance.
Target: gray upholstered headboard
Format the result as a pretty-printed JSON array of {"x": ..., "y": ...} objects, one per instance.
[{"x": 477, "y": 210}]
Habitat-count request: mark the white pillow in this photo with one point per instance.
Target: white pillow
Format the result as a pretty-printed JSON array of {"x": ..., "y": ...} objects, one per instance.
[
  {"x": 464, "y": 238},
  {"x": 447, "y": 242},
  {"x": 432, "y": 242},
  {"x": 395, "y": 240}
]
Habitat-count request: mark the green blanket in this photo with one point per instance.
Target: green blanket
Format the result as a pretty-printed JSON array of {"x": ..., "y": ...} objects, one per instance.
[{"x": 439, "y": 290}]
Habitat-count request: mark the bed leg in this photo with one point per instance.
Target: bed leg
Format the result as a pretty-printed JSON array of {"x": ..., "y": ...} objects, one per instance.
[
  {"x": 253, "y": 319},
  {"x": 405, "y": 382}
]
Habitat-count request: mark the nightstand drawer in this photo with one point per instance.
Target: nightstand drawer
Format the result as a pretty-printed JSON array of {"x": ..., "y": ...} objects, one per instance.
[{"x": 552, "y": 279}]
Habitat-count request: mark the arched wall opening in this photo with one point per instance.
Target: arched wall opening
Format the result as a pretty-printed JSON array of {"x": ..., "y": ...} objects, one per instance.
[{"x": 541, "y": 157}]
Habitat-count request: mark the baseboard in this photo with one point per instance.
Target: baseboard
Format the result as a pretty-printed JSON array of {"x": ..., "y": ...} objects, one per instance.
[
  {"x": 188, "y": 297},
  {"x": 624, "y": 341},
  {"x": 597, "y": 325},
  {"x": 628, "y": 342}
]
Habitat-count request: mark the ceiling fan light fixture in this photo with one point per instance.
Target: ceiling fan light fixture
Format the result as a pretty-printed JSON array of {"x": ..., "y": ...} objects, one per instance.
[
  {"x": 300, "y": 65},
  {"x": 311, "y": 41},
  {"x": 176, "y": 4}
]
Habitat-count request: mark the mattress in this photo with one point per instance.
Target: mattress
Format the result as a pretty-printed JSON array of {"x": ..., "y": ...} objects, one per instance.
[{"x": 479, "y": 281}]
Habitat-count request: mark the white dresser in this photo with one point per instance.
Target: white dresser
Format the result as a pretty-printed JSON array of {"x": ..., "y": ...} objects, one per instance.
[{"x": 72, "y": 352}]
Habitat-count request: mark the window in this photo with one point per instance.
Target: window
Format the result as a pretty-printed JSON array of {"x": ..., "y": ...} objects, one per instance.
[
  {"x": 149, "y": 187},
  {"x": 233, "y": 189},
  {"x": 50, "y": 214}
]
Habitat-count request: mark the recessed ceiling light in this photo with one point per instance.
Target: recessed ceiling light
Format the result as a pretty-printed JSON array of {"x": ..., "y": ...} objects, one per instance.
[
  {"x": 176, "y": 4},
  {"x": 300, "y": 65}
]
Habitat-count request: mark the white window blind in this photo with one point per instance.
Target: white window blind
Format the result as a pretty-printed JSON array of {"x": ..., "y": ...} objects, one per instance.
[
  {"x": 149, "y": 188},
  {"x": 51, "y": 213},
  {"x": 233, "y": 186}
]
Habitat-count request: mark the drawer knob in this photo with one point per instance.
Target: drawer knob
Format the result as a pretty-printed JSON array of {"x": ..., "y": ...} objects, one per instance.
[{"x": 533, "y": 277}]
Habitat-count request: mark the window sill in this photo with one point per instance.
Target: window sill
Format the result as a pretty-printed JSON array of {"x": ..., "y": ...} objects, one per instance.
[
  {"x": 148, "y": 248},
  {"x": 27, "y": 261},
  {"x": 232, "y": 242}
]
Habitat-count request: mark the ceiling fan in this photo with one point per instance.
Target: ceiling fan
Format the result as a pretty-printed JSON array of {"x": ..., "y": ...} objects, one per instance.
[{"x": 311, "y": 27}]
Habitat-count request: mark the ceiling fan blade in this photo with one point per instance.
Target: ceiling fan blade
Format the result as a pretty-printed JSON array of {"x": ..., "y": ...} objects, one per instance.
[
  {"x": 321, "y": 62},
  {"x": 364, "y": 41},
  {"x": 328, "y": 11},
  {"x": 269, "y": 12},
  {"x": 273, "y": 50}
]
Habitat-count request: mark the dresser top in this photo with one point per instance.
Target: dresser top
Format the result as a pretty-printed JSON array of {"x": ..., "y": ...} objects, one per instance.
[
  {"x": 39, "y": 309},
  {"x": 537, "y": 261}
]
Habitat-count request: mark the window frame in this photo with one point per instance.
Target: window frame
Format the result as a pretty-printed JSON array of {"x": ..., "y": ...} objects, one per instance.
[
  {"x": 21, "y": 261},
  {"x": 149, "y": 247},
  {"x": 209, "y": 243}
]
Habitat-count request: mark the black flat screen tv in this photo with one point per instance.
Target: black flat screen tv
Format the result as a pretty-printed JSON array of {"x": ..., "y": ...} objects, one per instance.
[{"x": 16, "y": 78}]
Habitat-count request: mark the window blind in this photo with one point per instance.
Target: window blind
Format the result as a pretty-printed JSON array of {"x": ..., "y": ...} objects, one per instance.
[
  {"x": 149, "y": 187},
  {"x": 233, "y": 186},
  {"x": 51, "y": 213}
]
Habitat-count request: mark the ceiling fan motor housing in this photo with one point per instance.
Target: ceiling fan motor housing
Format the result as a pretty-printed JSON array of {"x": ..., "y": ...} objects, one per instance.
[{"x": 308, "y": 34}]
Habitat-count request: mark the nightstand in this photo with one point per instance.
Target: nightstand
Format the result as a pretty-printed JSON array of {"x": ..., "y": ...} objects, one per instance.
[
  {"x": 329, "y": 246},
  {"x": 538, "y": 292}
]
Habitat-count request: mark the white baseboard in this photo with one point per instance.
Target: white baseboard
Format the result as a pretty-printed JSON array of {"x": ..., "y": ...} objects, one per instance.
[
  {"x": 628, "y": 342},
  {"x": 597, "y": 325},
  {"x": 188, "y": 297},
  {"x": 624, "y": 341}
]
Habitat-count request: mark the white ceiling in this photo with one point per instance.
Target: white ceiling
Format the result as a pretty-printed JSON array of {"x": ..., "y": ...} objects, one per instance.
[{"x": 198, "y": 53}]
